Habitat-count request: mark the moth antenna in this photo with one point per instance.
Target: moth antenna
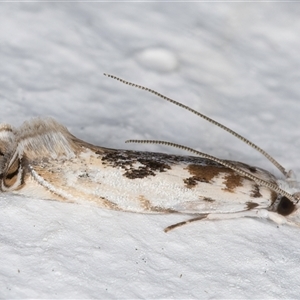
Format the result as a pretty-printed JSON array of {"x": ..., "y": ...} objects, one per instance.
[
  {"x": 254, "y": 146},
  {"x": 259, "y": 181}
]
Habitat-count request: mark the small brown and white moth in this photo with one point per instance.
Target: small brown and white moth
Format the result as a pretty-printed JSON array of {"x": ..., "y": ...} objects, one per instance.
[{"x": 42, "y": 159}]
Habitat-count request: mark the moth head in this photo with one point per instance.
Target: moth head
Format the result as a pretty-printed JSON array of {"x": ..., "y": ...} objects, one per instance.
[{"x": 9, "y": 159}]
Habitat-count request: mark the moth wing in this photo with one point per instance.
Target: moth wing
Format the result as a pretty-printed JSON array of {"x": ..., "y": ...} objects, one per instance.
[
  {"x": 256, "y": 171},
  {"x": 221, "y": 206},
  {"x": 62, "y": 167},
  {"x": 228, "y": 192},
  {"x": 148, "y": 183}
]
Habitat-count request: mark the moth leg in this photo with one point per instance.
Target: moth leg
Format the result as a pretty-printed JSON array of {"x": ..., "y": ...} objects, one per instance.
[
  {"x": 253, "y": 213},
  {"x": 167, "y": 229},
  {"x": 279, "y": 219},
  {"x": 224, "y": 216}
]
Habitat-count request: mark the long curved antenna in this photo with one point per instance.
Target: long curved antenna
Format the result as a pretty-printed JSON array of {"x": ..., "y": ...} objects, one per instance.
[
  {"x": 259, "y": 181},
  {"x": 268, "y": 156}
]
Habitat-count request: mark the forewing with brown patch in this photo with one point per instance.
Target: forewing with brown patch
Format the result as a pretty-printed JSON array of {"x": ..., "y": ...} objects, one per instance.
[{"x": 61, "y": 167}]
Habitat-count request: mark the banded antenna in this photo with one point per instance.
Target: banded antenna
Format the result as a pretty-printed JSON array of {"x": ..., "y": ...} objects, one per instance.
[
  {"x": 272, "y": 186},
  {"x": 268, "y": 156}
]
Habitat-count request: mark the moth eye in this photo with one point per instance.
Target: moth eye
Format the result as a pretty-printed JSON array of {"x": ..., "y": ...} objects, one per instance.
[
  {"x": 2, "y": 159},
  {"x": 285, "y": 206}
]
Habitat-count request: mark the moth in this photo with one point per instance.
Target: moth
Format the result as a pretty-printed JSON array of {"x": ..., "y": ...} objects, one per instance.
[{"x": 42, "y": 159}]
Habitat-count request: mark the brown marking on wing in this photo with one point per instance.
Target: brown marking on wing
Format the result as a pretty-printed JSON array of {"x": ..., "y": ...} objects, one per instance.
[
  {"x": 190, "y": 182},
  {"x": 208, "y": 173},
  {"x": 232, "y": 181},
  {"x": 251, "y": 205},
  {"x": 127, "y": 160},
  {"x": 205, "y": 173},
  {"x": 200, "y": 174},
  {"x": 141, "y": 172},
  {"x": 147, "y": 206},
  {"x": 108, "y": 204},
  {"x": 145, "y": 203},
  {"x": 255, "y": 193},
  {"x": 163, "y": 210},
  {"x": 207, "y": 199}
]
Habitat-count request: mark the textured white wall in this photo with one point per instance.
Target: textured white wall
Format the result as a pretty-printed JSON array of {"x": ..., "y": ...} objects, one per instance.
[{"x": 236, "y": 62}]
